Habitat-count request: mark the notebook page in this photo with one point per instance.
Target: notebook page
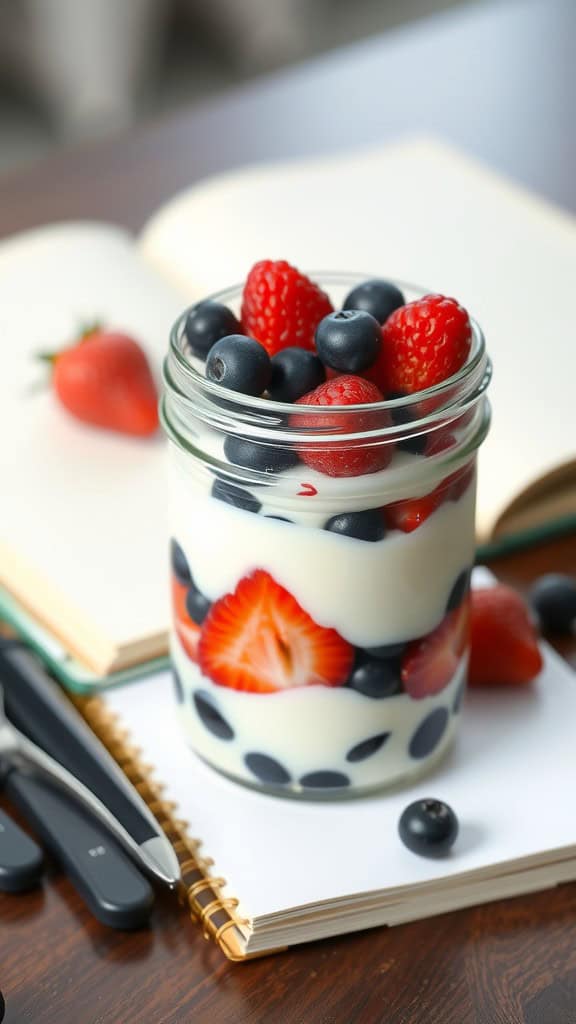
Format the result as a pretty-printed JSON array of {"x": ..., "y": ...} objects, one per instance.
[
  {"x": 82, "y": 532},
  {"x": 422, "y": 212},
  {"x": 508, "y": 778}
]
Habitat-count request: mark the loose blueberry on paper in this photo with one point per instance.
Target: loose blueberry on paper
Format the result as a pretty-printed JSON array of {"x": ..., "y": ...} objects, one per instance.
[
  {"x": 428, "y": 827},
  {"x": 553, "y": 598}
]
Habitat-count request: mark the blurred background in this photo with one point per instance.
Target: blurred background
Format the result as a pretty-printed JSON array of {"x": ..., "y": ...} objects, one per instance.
[{"x": 72, "y": 70}]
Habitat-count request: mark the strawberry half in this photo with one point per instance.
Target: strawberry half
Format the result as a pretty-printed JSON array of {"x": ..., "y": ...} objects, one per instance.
[
  {"x": 261, "y": 640},
  {"x": 186, "y": 629},
  {"x": 342, "y": 458},
  {"x": 504, "y": 643},
  {"x": 429, "y": 664},
  {"x": 281, "y": 306}
]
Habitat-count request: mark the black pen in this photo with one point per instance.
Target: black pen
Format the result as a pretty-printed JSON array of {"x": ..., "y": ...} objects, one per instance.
[{"x": 38, "y": 710}]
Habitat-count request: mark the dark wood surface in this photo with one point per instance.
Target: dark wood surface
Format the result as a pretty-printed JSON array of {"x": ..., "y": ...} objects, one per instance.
[{"x": 501, "y": 81}]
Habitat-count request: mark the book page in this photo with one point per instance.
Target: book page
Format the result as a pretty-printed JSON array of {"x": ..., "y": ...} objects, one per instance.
[
  {"x": 508, "y": 778},
  {"x": 422, "y": 212},
  {"x": 82, "y": 533}
]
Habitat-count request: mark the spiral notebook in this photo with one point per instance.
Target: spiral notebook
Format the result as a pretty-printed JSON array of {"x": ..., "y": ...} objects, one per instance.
[{"x": 262, "y": 873}]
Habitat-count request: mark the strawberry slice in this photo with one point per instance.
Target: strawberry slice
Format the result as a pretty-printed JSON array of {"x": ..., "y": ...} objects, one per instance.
[
  {"x": 409, "y": 514},
  {"x": 261, "y": 640},
  {"x": 504, "y": 643},
  {"x": 187, "y": 631},
  {"x": 429, "y": 664}
]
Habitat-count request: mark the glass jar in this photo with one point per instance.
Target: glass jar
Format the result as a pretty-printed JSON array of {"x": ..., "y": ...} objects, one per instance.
[{"x": 355, "y": 586}]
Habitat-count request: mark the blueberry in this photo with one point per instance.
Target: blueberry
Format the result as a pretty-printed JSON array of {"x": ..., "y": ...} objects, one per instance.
[
  {"x": 459, "y": 590},
  {"x": 428, "y": 734},
  {"x": 234, "y": 495},
  {"x": 265, "y": 458},
  {"x": 180, "y": 566},
  {"x": 206, "y": 323},
  {"x": 295, "y": 372},
  {"x": 428, "y": 827},
  {"x": 386, "y": 651},
  {"x": 367, "y": 747},
  {"x": 211, "y": 718},
  {"x": 553, "y": 598},
  {"x": 349, "y": 340},
  {"x": 240, "y": 364},
  {"x": 267, "y": 769},
  {"x": 324, "y": 780},
  {"x": 197, "y": 604},
  {"x": 377, "y": 297},
  {"x": 459, "y": 698},
  {"x": 177, "y": 683},
  {"x": 415, "y": 443},
  {"x": 375, "y": 678},
  {"x": 367, "y": 525}
]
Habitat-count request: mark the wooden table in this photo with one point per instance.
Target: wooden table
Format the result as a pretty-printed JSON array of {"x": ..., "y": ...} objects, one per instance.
[{"x": 501, "y": 81}]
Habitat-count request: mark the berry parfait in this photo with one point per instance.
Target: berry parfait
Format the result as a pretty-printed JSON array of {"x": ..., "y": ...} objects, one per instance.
[{"x": 323, "y": 436}]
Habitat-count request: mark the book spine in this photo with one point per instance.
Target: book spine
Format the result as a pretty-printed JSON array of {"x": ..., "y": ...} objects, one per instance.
[{"x": 200, "y": 890}]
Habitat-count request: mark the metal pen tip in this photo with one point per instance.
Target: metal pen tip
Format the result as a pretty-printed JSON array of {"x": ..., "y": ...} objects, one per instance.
[{"x": 161, "y": 860}]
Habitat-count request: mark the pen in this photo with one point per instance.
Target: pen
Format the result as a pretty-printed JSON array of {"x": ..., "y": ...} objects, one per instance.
[
  {"x": 111, "y": 885},
  {"x": 36, "y": 707}
]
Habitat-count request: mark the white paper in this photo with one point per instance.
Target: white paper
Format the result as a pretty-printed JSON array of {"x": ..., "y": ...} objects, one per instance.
[{"x": 82, "y": 507}]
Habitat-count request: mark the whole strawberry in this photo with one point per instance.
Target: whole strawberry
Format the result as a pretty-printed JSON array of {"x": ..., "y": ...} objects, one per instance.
[
  {"x": 105, "y": 380},
  {"x": 282, "y": 307},
  {"x": 424, "y": 343},
  {"x": 503, "y": 639}
]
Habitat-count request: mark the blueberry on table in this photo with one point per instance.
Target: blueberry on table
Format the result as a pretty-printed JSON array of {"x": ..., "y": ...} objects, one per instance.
[
  {"x": 240, "y": 364},
  {"x": 180, "y": 566},
  {"x": 367, "y": 525},
  {"x": 206, "y": 323},
  {"x": 349, "y": 340},
  {"x": 377, "y": 297},
  {"x": 428, "y": 827},
  {"x": 553, "y": 598},
  {"x": 265, "y": 458}
]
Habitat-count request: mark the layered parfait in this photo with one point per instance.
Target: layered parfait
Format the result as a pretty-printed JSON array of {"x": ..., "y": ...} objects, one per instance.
[{"x": 323, "y": 490}]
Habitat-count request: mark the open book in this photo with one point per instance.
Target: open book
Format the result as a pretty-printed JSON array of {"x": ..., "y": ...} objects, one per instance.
[
  {"x": 82, "y": 534},
  {"x": 284, "y": 871}
]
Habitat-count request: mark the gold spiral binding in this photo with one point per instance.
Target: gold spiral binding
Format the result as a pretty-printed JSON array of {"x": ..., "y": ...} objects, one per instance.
[{"x": 202, "y": 892}]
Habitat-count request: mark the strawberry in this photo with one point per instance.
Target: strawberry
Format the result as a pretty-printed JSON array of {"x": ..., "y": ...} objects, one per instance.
[
  {"x": 344, "y": 458},
  {"x": 261, "y": 640},
  {"x": 186, "y": 629},
  {"x": 282, "y": 307},
  {"x": 504, "y": 643},
  {"x": 429, "y": 664},
  {"x": 424, "y": 343},
  {"x": 409, "y": 514},
  {"x": 104, "y": 379}
]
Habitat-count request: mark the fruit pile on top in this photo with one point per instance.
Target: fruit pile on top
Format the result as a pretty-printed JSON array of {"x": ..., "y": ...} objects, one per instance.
[{"x": 290, "y": 343}]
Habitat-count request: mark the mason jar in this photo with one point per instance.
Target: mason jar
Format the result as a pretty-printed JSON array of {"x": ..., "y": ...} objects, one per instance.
[{"x": 320, "y": 622}]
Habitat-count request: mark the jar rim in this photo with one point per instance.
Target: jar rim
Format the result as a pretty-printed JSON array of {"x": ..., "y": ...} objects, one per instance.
[{"x": 476, "y": 370}]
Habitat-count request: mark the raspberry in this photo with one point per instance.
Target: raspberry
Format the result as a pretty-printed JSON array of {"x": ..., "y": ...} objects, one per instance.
[
  {"x": 424, "y": 343},
  {"x": 282, "y": 307},
  {"x": 344, "y": 458}
]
